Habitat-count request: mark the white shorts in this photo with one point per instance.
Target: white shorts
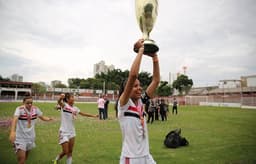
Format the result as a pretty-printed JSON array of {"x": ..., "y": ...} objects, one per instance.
[
  {"x": 141, "y": 160},
  {"x": 65, "y": 137},
  {"x": 25, "y": 146}
]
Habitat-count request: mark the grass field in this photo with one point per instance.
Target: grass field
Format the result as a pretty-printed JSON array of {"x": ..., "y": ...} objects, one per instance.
[{"x": 216, "y": 135}]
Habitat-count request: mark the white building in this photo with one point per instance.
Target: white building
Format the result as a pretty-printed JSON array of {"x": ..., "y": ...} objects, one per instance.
[
  {"x": 55, "y": 82},
  {"x": 248, "y": 81},
  {"x": 102, "y": 67},
  {"x": 17, "y": 77},
  {"x": 172, "y": 77},
  {"x": 229, "y": 84}
]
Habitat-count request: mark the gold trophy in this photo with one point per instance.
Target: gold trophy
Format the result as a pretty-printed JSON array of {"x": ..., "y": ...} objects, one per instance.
[{"x": 146, "y": 13}]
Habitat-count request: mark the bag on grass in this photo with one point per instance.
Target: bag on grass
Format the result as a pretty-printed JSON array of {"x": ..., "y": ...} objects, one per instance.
[{"x": 174, "y": 140}]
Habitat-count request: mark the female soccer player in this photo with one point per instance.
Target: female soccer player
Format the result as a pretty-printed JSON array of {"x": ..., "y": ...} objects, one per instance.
[
  {"x": 135, "y": 146},
  {"x": 67, "y": 130},
  {"x": 22, "y": 134}
]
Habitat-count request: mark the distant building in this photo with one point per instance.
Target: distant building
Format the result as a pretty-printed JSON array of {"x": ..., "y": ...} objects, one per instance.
[
  {"x": 229, "y": 84},
  {"x": 248, "y": 81},
  {"x": 102, "y": 67},
  {"x": 172, "y": 77},
  {"x": 14, "y": 90},
  {"x": 55, "y": 82},
  {"x": 17, "y": 77}
]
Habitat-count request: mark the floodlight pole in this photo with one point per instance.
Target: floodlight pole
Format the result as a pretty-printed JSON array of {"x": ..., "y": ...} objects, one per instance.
[{"x": 104, "y": 87}]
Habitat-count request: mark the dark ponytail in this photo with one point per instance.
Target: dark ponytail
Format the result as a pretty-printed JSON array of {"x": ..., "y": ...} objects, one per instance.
[
  {"x": 67, "y": 96},
  {"x": 121, "y": 90}
]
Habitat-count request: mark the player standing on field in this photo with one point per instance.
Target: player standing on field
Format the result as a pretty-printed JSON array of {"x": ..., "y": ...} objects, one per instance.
[
  {"x": 135, "y": 146},
  {"x": 67, "y": 132},
  {"x": 22, "y": 134}
]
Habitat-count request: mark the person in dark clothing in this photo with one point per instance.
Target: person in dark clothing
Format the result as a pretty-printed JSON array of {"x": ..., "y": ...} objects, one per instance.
[
  {"x": 175, "y": 106},
  {"x": 163, "y": 110},
  {"x": 147, "y": 104},
  {"x": 116, "y": 108},
  {"x": 156, "y": 109},
  {"x": 106, "y": 107},
  {"x": 151, "y": 111}
]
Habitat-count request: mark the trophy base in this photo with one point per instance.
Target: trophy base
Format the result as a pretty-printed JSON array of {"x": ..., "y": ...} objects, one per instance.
[{"x": 150, "y": 48}]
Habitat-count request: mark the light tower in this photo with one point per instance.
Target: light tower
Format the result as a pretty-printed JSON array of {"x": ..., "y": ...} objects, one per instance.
[{"x": 184, "y": 69}]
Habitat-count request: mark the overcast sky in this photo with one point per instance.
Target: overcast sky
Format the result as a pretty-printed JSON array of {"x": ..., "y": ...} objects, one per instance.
[{"x": 45, "y": 40}]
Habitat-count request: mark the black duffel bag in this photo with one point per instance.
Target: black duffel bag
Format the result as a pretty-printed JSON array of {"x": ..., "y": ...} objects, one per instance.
[{"x": 173, "y": 139}]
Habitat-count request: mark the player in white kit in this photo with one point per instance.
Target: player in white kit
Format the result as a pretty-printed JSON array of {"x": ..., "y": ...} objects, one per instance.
[
  {"x": 67, "y": 132},
  {"x": 22, "y": 134},
  {"x": 135, "y": 146}
]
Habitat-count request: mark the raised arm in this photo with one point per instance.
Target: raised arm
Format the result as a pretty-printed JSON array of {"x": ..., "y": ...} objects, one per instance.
[
  {"x": 156, "y": 77},
  {"x": 13, "y": 129},
  {"x": 60, "y": 100},
  {"x": 133, "y": 74}
]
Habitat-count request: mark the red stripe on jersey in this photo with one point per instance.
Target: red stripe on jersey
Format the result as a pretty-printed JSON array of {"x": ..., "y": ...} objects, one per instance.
[
  {"x": 133, "y": 109},
  {"x": 69, "y": 109},
  {"x": 23, "y": 115},
  {"x": 127, "y": 160},
  {"x": 33, "y": 116}
]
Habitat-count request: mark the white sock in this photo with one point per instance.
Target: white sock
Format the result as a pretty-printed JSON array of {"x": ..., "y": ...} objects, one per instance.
[
  {"x": 69, "y": 160},
  {"x": 57, "y": 158}
]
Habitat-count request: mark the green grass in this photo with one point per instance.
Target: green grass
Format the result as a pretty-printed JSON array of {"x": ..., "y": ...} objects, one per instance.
[{"x": 216, "y": 135}]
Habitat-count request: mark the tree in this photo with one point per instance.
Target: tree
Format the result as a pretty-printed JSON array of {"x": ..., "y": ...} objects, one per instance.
[
  {"x": 4, "y": 79},
  {"x": 183, "y": 84},
  {"x": 164, "y": 89},
  {"x": 74, "y": 82},
  {"x": 145, "y": 79},
  {"x": 60, "y": 86},
  {"x": 37, "y": 88},
  {"x": 112, "y": 80},
  {"x": 115, "y": 77}
]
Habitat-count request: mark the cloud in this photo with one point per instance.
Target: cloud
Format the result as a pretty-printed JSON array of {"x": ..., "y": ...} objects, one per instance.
[{"x": 61, "y": 39}]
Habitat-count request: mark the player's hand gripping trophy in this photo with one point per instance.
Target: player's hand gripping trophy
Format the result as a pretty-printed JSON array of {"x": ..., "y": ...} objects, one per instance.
[{"x": 146, "y": 13}]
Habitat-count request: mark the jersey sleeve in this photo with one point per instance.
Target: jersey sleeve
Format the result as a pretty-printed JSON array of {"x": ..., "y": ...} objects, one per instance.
[
  {"x": 39, "y": 112},
  {"x": 17, "y": 112},
  {"x": 124, "y": 106},
  {"x": 77, "y": 110}
]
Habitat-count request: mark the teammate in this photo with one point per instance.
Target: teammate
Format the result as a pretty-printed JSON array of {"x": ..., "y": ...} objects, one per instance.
[
  {"x": 135, "y": 146},
  {"x": 163, "y": 110},
  {"x": 175, "y": 106},
  {"x": 151, "y": 111},
  {"x": 101, "y": 108},
  {"x": 67, "y": 132},
  {"x": 22, "y": 134}
]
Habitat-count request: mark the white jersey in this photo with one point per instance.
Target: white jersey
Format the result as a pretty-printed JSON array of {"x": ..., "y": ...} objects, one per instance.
[
  {"x": 68, "y": 113},
  {"x": 134, "y": 130},
  {"x": 101, "y": 103},
  {"x": 25, "y": 131}
]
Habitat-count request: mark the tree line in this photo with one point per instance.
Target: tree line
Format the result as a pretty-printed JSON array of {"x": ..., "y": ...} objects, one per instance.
[{"x": 111, "y": 80}]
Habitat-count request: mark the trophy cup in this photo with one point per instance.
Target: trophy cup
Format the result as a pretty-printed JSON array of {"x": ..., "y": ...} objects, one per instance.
[{"x": 146, "y": 13}]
